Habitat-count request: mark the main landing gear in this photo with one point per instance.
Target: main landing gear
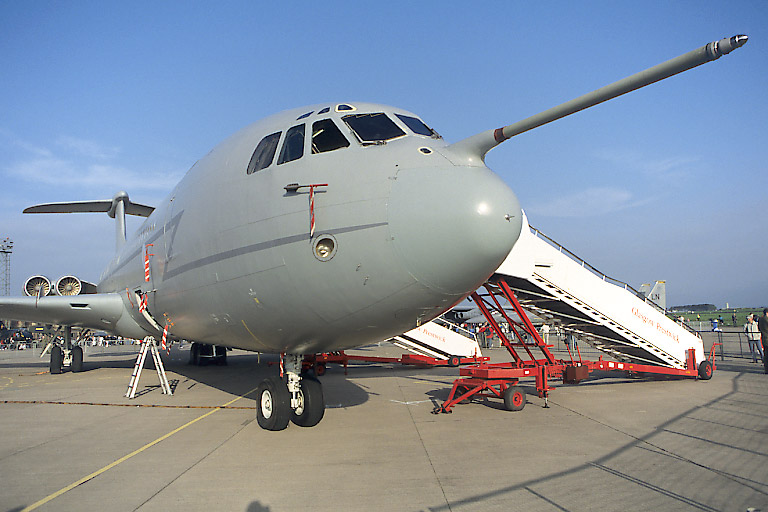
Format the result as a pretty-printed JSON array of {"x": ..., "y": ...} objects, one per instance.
[
  {"x": 66, "y": 355},
  {"x": 296, "y": 397},
  {"x": 201, "y": 354}
]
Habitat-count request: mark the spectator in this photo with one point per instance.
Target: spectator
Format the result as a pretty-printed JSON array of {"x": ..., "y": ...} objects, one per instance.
[
  {"x": 762, "y": 325},
  {"x": 545, "y": 333},
  {"x": 753, "y": 338}
]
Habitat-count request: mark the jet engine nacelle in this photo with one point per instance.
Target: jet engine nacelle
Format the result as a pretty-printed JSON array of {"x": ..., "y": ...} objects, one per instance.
[
  {"x": 37, "y": 284},
  {"x": 71, "y": 285}
]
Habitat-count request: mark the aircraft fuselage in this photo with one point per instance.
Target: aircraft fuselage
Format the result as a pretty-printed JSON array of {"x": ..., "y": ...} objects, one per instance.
[{"x": 234, "y": 263}]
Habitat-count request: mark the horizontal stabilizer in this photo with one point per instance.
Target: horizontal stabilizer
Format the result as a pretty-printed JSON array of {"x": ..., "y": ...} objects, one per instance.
[
  {"x": 117, "y": 208},
  {"x": 107, "y": 206}
]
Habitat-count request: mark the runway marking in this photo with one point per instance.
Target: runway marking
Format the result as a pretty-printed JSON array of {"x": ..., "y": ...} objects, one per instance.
[
  {"x": 410, "y": 403},
  {"x": 126, "y": 457}
]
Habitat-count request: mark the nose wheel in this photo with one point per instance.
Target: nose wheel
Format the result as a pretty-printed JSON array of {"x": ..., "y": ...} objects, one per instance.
[
  {"x": 274, "y": 404},
  {"x": 311, "y": 406},
  {"x": 297, "y": 397}
]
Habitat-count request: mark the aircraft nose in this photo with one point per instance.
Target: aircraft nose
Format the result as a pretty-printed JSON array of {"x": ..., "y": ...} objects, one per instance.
[{"x": 452, "y": 227}]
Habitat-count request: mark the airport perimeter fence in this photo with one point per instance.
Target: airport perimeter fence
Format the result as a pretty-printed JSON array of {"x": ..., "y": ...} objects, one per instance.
[{"x": 733, "y": 343}]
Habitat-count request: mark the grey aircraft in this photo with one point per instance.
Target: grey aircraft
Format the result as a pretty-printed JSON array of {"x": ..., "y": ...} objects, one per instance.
[{"x": 317, "y": 229}]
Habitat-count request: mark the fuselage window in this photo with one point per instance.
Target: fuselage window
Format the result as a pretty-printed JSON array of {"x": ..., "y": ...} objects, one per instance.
[
  {"x": 416, "y": 125},
  {"x": 326, "y": 136},
  {"x": 293, "y": 146},
  {"x": 264, "y": 153},
  {"x": 373, "y": 128}
]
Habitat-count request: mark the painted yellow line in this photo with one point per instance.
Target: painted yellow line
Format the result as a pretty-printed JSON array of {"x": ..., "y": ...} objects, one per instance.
[{"x": 123, "y": 459}]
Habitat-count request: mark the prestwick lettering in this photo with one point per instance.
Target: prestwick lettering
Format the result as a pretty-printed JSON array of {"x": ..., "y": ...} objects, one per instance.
[{"x": 432, "y": 335}]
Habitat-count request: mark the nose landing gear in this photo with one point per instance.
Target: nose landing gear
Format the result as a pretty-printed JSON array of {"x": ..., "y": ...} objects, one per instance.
[{"x": 295, "y": 397}]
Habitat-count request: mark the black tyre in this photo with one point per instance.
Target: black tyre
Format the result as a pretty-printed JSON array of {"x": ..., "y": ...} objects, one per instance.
[
  {"x": 311, "y": 403},
  {"x": 77, "y": 359},
  {"x": 460, "y": 391},
  {"x": 221, "y": 355},
  {"x": 57, "y": 359},
  {"x": 514, "y": 398},
  {"x": 273, "y": 410},
  {"x": 194, "y": 354},
  {"x": 454, "y": 361},
  {"x": 705, "y": 370}
]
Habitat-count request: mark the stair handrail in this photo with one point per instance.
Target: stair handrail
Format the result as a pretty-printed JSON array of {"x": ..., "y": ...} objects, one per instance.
[
  {"x": 536, "y": 232},
  {"x": 444, "y": 322}
]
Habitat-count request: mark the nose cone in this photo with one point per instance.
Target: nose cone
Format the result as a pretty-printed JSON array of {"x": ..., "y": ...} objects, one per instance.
[{"x": 453, "y": 226}]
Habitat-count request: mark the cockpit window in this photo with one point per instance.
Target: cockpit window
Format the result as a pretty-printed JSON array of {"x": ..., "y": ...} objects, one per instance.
[
  {"x": 293, "y": 146},
  {"x": 264, "y": 153},
  {"x": 326, "y": 136},
  {"x": 373, "y": 128},
  {"x": 416, "y": 125}
]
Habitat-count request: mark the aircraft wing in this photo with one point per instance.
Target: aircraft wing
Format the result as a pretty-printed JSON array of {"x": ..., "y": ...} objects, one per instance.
[{"x": 97, "y": 311}]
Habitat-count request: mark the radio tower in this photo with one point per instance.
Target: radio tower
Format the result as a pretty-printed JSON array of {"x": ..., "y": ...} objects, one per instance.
[{"x": 6, "y": 248}]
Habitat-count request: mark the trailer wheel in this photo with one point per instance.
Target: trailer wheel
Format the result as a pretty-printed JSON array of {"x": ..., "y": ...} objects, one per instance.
[
  {"x": 514, "y": 398},
  {"x": 460, "y": 391},
  {"x": 454, "y": 361},
  {"x": 705, "y": 370},
  {"x": 57, "y": 359}
]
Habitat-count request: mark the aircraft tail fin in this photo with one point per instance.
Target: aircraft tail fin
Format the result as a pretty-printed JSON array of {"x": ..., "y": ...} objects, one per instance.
[{"x": 117, "y": 208}]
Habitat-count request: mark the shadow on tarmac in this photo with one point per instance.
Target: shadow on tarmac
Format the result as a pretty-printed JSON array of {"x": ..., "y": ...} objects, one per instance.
[{"x": 608, "y": 463}]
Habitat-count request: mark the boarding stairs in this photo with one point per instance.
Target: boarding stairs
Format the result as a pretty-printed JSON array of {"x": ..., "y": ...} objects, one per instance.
[
  {"x": 439, "y": 339},
  {"x": 609, "y": 315}
]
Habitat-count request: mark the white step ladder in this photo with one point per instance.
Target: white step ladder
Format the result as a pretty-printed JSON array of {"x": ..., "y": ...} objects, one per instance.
[{"x": 146, "y": 345}]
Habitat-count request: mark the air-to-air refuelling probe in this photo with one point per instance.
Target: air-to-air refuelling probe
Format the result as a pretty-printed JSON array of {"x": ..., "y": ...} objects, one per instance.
[{"x": 317, "y": 229}]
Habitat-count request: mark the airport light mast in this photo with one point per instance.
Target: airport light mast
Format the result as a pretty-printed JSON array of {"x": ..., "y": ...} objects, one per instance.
[{"x": 6, "y": 248}]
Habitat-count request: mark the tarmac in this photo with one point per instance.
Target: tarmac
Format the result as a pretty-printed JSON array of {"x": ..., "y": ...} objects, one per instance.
[{"x": 74, "y": 442}]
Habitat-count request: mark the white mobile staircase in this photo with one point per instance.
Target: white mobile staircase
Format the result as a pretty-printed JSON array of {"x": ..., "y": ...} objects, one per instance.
[
  {"x": 439, "y": 339},
  {"x": 552, "y": 282}
]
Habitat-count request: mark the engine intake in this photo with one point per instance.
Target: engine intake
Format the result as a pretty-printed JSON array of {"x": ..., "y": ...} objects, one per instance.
[
  {"x": 69, "y": 285},
  {"x": 37, "y": 284}
]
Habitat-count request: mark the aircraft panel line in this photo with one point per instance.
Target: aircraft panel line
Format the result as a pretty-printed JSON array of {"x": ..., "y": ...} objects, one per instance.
[{"x": 269, "y": 244}]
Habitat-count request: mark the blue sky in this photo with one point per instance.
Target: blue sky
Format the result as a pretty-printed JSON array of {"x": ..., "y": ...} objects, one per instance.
[{"x": 668, "y": 182}]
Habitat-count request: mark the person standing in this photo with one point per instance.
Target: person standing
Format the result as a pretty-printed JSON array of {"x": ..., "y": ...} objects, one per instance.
[
  {"x": 545, "y": 333},
  {"x": 762, "y": 325},
  {"x": 753, "y": 338}
]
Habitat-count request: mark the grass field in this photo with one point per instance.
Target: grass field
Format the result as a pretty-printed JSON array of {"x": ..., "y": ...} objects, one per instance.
[{"x": 726, "y": 314}]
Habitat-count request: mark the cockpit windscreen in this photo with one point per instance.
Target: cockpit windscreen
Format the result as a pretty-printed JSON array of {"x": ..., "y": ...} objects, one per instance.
[
  {"x": 373, "y": 128},
  {"x": 416, "y": 125}
]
